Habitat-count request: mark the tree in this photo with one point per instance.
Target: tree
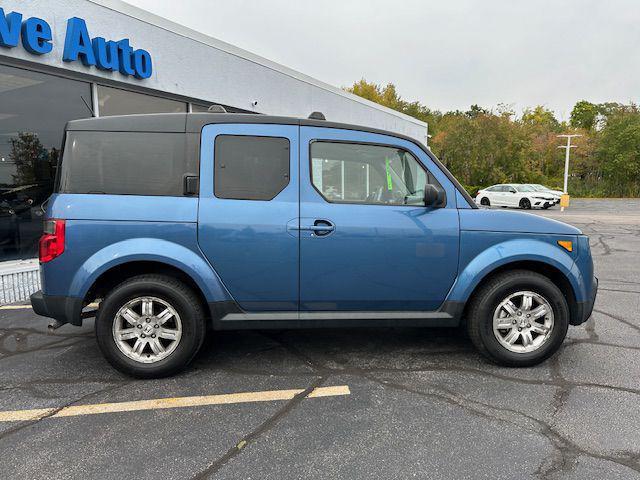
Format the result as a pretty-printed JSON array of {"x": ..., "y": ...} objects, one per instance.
[
  {"x": 619, "y": 152},
  {"x": 584, "y": 115},
  {"x": 475, "y": 111},
  {"x": 388, "y": 96},
  {"x": 540, "y": 117},
  {"x": 482, "y": 147},
  {"x": 29, "y": 156}
]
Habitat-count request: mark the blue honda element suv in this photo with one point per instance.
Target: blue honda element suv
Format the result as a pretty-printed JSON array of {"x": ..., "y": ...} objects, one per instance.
[{"x": 164, "y": 225}]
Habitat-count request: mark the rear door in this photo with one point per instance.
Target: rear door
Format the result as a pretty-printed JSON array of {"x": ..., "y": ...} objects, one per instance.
[
  {"x": 492, "y": 194},
  {"x": 367, "y": 242},
  {"x": 248, "y": 197}
]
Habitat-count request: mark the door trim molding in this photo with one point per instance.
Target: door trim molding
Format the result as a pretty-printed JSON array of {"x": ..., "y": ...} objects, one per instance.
[{"x": 230, "y": 317}]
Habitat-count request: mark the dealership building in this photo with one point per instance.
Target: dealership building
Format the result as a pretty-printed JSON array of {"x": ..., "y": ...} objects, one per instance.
[{"x": 67, "y": 59}]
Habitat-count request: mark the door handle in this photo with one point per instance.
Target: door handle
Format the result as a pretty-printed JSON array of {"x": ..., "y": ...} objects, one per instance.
[{"x": 319, "y": 228}]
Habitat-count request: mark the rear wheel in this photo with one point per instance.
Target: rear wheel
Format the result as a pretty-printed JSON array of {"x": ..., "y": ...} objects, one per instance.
[
  {"x": 150, "y": 326},
  {"x": 518, "y": 319},
  {"x": 485, "y": 201},
  {"x": 525, "y": 203}
]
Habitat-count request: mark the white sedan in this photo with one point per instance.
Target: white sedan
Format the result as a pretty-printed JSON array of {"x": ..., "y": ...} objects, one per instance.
[{"x": 515, "y": 195}]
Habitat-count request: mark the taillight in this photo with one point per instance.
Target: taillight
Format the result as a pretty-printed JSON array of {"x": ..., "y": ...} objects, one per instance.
[{"x": 52, "y": 240}]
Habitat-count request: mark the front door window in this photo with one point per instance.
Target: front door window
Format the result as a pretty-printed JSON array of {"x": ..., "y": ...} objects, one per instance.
[{"x": 367, "y": 174}]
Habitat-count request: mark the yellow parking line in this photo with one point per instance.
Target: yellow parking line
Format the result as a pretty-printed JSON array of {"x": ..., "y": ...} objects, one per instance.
[{"x": 163, "y": 403}]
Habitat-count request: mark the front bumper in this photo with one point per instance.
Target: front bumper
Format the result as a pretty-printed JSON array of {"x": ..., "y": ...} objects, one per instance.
[
  {"x": 544, "y": 203},
  {"x": 584, "y": 309},
  {"x": 62, "y": 309}
]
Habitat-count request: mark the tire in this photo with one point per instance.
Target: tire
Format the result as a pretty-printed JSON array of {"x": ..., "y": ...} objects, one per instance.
[
  {"x": 485, "y": 201},
  {"x": 487, "y": 301},
  {"x": 180, "y": 335},
  {"x": 525, "y": 203}
]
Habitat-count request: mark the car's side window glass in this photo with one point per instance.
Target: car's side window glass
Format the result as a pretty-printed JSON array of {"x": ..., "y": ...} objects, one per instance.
[
  {"x": 125, "y": 163},
  {"x": 249, "y": 167},
  {"x": 364, "y": 173}
]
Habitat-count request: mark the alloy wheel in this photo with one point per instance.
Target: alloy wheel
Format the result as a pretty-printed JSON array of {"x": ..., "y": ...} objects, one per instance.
[
  {"x": 523, "y": 322},
  {"x": 147, "y": 329}
]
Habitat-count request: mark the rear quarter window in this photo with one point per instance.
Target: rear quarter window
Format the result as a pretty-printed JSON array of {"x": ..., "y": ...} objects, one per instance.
[
  {"x": 125, "y": 163},
  {"x": 249, "y": 167}
]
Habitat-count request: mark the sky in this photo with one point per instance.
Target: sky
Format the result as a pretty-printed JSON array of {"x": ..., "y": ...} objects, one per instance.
[{"x": 447, "y": 54}]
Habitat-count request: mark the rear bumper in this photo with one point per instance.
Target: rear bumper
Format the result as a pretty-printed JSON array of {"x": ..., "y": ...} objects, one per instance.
[
  {"x": 584, "y": 309},
  {"x": 63, "y": 309}
]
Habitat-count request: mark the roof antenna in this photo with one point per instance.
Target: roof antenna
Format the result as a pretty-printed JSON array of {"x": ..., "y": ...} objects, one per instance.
[
  {"x": 317, "y": 116},
  {"x": 217, "y": 109}
]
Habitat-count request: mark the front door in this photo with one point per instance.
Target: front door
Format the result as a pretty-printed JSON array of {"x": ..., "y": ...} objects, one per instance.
[
  {"x": 367, "y": 242},
  {"x": 248, "y": 197},
  {"x": 512, "y": 199},
  {"x": 498, "y": 195}
]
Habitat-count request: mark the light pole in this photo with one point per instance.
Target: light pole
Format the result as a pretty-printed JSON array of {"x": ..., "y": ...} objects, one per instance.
[{"x": 568, "y": 148}]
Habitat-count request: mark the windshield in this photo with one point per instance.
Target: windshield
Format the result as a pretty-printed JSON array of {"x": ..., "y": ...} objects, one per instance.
[{"x": 525, "y": 188}]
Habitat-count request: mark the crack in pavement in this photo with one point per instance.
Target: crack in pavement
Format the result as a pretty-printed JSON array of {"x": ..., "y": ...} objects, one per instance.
[
  {"x": 21, "y": 337},
  {"x": 630, "y": 282},
  {"x": 31, "y": 387},
  {"x": 554, "y": 382},
  {"x": 579, "y": 341},
  {"x": 566, "y": 450},
  {"x": 63, "y": 381},
  {"x": 29, "y": 423},
  {"x": 563, "y": 389},
  {"x": 615, "y": 317},
  {"x": 618, "y": 290},
  {"x": 254, "y": 435}
]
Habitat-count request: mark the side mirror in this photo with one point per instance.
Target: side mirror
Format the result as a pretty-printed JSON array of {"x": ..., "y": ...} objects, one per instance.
[{"x": 433, "y": 196}]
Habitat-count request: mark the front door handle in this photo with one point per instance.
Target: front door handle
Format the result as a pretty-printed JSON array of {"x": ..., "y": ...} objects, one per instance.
[{"x": 320, "y": 227}]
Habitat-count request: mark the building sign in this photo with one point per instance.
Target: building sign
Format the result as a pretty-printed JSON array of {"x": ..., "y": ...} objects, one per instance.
[{"x": 36, "y": 37}]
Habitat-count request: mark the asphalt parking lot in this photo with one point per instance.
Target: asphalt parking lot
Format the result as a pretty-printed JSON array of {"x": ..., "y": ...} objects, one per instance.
[{"x": 388, "y": 403}]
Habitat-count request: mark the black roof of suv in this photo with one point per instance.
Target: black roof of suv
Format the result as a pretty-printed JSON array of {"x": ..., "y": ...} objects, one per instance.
[{"x": 194, "y": 122}]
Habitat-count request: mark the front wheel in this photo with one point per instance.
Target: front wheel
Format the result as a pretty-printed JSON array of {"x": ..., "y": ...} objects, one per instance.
[
  {"x": 518, "y": 319},
  {"x": 150, "y": 326},
  {"x": 525, "y": 204}
]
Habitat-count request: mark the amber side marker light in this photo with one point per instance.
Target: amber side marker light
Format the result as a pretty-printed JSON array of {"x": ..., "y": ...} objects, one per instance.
[{"x": 566, "y": 244}]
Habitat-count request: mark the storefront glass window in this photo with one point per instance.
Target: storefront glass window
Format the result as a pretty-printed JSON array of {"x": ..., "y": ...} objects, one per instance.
[
  {"x": 200, "y": 108},
  {"x": 113, "y": 101},
  {"x": 195, "y": 108},
  {"x": 34, "y": 108}
]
